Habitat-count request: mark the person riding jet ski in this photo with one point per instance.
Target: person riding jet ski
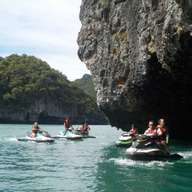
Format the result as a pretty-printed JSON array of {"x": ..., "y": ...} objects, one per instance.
[
  {"x": 38, "y": 135},
  {"x": 67, "y": 123},
  {"x": 161, "y": 131},
  {"x": 151, "y": 130},
  {"x": 133, "y": 131},
  {"x": 151, "y": 145},
  {"x": 35, "y": 129},
  {"x": 84, "y": 128},
  {"x": 162, "y": 139},
  {"x": 149, "y": 137},
  {"x": 157, "y": 135},
  {"x": 68, "y": 131}
]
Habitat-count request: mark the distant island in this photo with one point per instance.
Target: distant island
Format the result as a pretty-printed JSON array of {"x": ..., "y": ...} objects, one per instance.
[{"x": 30, "y": 90}]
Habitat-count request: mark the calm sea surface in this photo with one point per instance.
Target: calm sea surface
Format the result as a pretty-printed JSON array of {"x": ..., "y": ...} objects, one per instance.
[{"x": 91, "y": 165}]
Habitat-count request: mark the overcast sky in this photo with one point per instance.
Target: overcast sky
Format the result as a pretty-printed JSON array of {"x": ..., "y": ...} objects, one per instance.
[{"x": 47, "y": 29}]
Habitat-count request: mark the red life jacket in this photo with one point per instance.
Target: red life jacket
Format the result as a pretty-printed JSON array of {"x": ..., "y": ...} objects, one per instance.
[
  {"x": 66, "y": 123},
  {"x": 81, "y": 128},
  {"x": 150, "y": 131},
  {"x": 133, "y": 131},
  {"x": 162, "y": 132}
]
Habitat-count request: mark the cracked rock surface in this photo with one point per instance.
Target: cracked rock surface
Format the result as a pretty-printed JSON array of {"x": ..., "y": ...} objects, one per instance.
[{"x": 140, "y": 55}]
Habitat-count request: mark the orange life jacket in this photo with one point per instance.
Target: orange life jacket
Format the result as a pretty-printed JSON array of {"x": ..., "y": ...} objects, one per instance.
[{"x": 35, "y": 129}]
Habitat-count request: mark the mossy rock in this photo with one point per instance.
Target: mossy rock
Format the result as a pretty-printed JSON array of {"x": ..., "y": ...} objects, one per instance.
[
  {"x": 121, "y": 36},
  {"x": 104, "y": 3},
  {"x": 179, "y": 29},
  {"x": 151, "y": 47}
]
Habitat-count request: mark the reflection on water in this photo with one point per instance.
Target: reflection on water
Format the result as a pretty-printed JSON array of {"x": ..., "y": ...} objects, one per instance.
[{"x": 91, "y": 165}]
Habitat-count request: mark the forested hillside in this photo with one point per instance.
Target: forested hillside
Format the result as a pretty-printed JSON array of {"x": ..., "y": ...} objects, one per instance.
[{"x": 31, "y": 90}]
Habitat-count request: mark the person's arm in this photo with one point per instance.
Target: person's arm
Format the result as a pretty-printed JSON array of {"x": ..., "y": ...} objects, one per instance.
[
  {"x": 159, "y": 132},
  {"x": 40, "y": 129},
  {"x": 146, "y": 132}
]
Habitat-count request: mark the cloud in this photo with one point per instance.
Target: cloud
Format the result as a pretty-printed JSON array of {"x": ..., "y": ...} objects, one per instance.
[{"x": 44, "y": 28}]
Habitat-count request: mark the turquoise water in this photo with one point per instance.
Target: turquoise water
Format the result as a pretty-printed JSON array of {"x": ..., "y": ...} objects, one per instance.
[{"x": 91, "y": 165}]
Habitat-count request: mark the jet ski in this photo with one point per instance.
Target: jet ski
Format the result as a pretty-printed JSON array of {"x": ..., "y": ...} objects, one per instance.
[
  {"x": 41, "y": 137},
  {"x": 83, "y": 134},
  {"x": 148, "y": 149},
  {"x": 68, "y": 135},
  {"x": 125, "y": 140}
]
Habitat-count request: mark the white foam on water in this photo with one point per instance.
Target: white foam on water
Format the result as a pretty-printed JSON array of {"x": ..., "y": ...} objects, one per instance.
[
  {"x": 9, "y": 139},
  {"x": 121, "y": 161},
  {"x": 186, "y": 154},
  {"x": 148, "y": 164},
  {"x": 12, "y": 139}
]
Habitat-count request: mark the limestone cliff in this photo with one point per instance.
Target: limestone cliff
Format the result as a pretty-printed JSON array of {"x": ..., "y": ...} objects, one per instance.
[
  {"x": 139, "y": 53},
  {"x": 31, "y": 90}
]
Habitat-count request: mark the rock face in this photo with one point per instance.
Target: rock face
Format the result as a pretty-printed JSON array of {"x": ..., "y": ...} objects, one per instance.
[
  {"x": 30, "y": 90},
  {"x": 42, "y": 110},
  {"x": 139, "y": 53},
  {"x": 50, "y": 111}
]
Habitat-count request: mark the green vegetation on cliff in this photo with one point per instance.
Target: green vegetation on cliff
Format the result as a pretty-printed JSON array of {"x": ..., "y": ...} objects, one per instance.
[
  {"x": 86, "y": 84},
  {"x": 23, "y": 78},
  {"x": 26, "y": 81}
]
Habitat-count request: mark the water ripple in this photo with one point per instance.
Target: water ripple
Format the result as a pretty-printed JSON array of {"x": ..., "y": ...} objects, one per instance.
[{"x": 92, "y": 165}]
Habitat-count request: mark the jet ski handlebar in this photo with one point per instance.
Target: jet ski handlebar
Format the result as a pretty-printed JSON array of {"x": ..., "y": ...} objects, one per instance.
[{"x": 143, "y": 137}]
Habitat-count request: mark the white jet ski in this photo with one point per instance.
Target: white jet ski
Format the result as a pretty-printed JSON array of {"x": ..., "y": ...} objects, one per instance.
[
  {"x": 83, "y": 134},
  {"x": 125, "y": 140},
  {"x": 149, "y": 150},
  {"x": 68, "y": 135},
  {"x": 41, "y": 137}
]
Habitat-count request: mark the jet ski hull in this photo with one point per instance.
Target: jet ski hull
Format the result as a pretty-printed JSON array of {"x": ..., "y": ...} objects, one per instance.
[
  {"x": 123, "y": 143},
  {"x": 41, "y": 137},
  {"x": 88, "y": 136},
  {"x": 84, "y": 135},
  {"x": 68, "y": 135},
  {"x": 151, "y": 154},
  {"x": 26, "y": 139},
  {"x": 125, "y": 140}
]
